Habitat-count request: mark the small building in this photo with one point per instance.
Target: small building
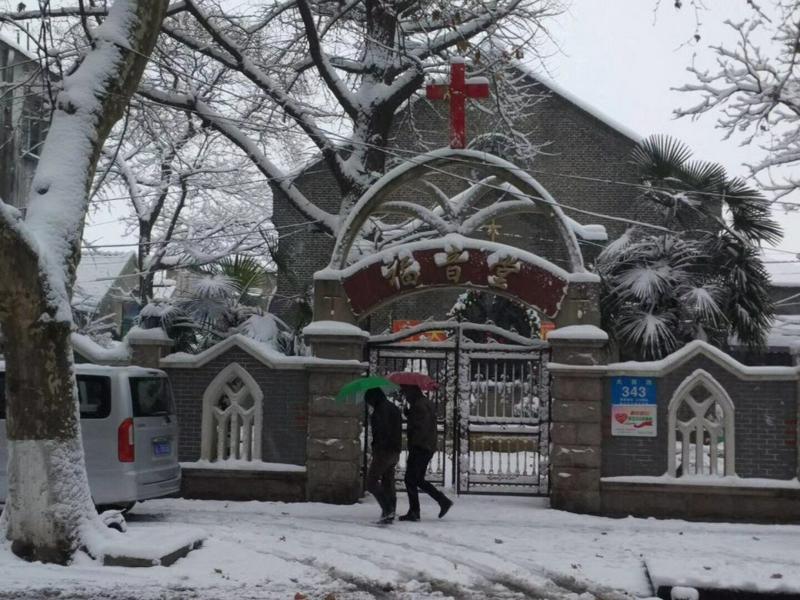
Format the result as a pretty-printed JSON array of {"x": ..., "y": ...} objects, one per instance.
[
  {"x": 105, "y": 289},
  {"x": 24, "y": 119}
]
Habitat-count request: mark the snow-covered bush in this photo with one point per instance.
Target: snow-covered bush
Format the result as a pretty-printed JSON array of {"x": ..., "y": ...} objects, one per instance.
[
  {"x": 699, "y": 275},
  {"x": 223, "y": 299}
]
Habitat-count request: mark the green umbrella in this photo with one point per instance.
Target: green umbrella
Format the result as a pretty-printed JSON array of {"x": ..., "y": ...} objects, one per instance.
[{"x": 356, "y": 388}]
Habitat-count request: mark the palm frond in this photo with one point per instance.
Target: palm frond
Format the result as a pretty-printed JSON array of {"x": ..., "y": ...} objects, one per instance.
[
  {"x": 751, "y": 213},
  {"x": 660, "y": 156},
  {"x": 703, "y": 177}
]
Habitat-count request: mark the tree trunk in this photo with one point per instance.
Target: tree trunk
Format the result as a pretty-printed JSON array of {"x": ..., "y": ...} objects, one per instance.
[
  {"x": 49, "y": 505},
  {"x": 49, "y": 512}
]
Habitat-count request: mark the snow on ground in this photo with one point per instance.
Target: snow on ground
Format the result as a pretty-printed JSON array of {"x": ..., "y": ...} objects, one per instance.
[{"x": 487, "y": 547}]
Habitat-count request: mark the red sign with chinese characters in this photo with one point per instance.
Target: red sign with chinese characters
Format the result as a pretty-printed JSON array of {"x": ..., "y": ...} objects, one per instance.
[{"x": 409, "y": 271}]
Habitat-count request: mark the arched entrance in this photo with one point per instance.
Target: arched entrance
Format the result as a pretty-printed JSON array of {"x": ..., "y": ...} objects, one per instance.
[{"x": 409, "y": 234}]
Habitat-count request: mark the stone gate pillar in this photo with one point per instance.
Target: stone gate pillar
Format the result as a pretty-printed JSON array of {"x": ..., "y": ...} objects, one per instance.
[
  {"x": 333, "y": 446},
  {"x": 148, "y": 346},
  {"x": 579, "y": 356}
]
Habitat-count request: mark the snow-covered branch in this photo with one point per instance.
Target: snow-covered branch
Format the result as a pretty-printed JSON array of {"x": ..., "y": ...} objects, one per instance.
[{"x": 754, "y": 88}]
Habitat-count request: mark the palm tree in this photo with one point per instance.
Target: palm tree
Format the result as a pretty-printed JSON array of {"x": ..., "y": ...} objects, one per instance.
[
  {"x": 225, "y": 297},
  {"x": 700, "y": 275}
]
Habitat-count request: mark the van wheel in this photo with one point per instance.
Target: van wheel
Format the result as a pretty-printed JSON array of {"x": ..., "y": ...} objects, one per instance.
[{"x": 123, "y": 508}]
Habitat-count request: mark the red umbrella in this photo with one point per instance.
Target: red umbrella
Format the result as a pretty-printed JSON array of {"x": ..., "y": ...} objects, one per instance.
[{"x": 425, "y": 383}]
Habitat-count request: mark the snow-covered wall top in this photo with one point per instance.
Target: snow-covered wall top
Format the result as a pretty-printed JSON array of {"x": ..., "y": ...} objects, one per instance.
[
  {"x": 334, "y": 328},
  {"x": 262, "y": 352},
  {"x": 693, "y": 349},
  {"x": 657, "y": 368},
  {"x": 578, "y": 332}
]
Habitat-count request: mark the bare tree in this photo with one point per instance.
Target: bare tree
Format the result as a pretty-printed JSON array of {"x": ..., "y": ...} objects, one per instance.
[
  {"x": 49, "y": 512},
  {"x": 334, "y": 74},
  {"x": 754, "y": 87},
  {"x": 195, "y": 198}
]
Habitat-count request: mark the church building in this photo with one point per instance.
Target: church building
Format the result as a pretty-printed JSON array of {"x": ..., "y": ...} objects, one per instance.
[{"x": 582, "y": 158}]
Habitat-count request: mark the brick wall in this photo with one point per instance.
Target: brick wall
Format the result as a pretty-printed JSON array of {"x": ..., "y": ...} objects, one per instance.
[
  {"x": 285, "y": 406},
  {"x": 765, "y": 426}
]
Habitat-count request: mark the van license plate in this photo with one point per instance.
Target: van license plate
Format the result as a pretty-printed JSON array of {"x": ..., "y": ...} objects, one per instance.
[{"x": 162, "y": 447}]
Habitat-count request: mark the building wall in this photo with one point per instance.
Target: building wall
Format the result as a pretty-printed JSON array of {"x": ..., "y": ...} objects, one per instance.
[{"x": 285, "y": 406}]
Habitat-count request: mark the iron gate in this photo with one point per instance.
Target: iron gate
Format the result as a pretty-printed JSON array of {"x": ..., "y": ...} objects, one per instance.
[{"x": 493, "y": 404}]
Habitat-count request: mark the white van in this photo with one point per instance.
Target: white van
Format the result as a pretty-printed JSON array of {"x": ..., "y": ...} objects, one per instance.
[{"x": 130, "y": 434}]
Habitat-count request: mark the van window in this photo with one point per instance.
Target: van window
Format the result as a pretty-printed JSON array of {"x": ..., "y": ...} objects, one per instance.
[
  {"x": 151, "y": 396},
  {"x": 94, "y": 393}
]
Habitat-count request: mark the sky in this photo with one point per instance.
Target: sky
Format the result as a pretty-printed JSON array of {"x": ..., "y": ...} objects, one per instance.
[{"x": 625, "y": 57}]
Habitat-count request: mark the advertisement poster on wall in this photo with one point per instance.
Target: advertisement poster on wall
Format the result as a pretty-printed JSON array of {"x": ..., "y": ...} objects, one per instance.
[{"x": 633, "y": 407}]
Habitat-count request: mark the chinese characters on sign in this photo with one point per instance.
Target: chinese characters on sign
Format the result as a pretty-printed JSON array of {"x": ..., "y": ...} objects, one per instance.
[
  {"x": 501, "y": 270},
  {"x": 402, "y": 272},
  {"x": 452, "y": 261},
  {"x": 633, "y": 407}
]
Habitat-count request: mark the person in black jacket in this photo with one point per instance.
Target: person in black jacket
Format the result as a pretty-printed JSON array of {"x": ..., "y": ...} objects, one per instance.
[
  {"x": 422, "y": 437},
  {"x": 386, "y": 424}
]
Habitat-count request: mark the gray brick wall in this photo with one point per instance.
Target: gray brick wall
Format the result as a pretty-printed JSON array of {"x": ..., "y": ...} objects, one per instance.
[
  {"x": 285, "y": 406},
  {"x": 581, "y": 147},
  {"x": 765, "y": 427}
]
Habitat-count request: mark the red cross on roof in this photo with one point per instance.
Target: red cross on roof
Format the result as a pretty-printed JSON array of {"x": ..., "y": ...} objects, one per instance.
[{"x": 458, "y": 90}]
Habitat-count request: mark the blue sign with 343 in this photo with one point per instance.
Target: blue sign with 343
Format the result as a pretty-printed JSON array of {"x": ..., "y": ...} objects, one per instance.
[
  {"x": 634, "y": 411},
  {"x": 633, "y": 390}
]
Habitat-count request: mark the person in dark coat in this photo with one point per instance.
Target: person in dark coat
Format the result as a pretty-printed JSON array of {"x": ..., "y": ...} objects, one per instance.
[
  {"x": 386, "y": 424},
  {"x": 422, "y": 437}
]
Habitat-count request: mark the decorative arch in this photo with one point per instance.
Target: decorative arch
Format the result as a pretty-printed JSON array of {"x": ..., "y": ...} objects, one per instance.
[
  {"x": 702, "y": 412},
  {"x": 435, "y": 246},
  {"x": 451, "y": 215},
  {"x": 232, "y": 416}
]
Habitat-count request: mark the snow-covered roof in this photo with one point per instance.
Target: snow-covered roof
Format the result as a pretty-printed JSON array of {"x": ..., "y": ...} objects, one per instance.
[
  {"x": 8, "y": 40},
  {"x": 581, "y": 103},
  {"x": 783, "y": 267},
  {"x": 96, "y": 275}
]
